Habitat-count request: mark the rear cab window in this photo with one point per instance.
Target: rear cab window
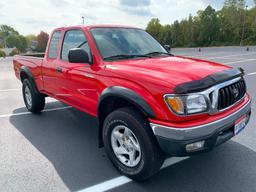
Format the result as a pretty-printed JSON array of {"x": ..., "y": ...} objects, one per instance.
[
  {"x": 74, "y": 38},
  {"x": 54, "y": 44}
]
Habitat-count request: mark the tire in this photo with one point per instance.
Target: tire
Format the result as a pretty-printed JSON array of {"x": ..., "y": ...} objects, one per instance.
[
  {"x": 33, "y": 100},
  {"x": 150, "y": 158}
]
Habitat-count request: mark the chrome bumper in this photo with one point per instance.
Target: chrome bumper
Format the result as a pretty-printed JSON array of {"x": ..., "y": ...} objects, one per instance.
[{"x": 191, "y": 133}]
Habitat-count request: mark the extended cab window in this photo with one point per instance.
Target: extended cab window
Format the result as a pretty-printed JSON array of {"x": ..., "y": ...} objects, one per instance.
[
  {"x": 53, "y": 49},
  {"x": 74, "y": 39}
]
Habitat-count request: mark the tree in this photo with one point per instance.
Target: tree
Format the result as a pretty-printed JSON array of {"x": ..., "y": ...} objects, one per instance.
[
  {"x": 230, "y": 3},
  {"x": 42, "y": 40},
  {"x": 166, "y": 35},
  {"x": 176, "y": 34},
  {"x": 154, "y": 28},
  {"x": 12, "y": 38},
  {"x": 31, "y": 38},
  {"x": 2, "y": 53},
  {"x": 31, "y": 41},
  {"x": 209, "y": 26},
  {"x": 14, "y": 52},
  {"x": 228, "y": 26},
  {"x": 5, "y": 32},
  {"x": 191, "y": 30},
  {"x": 17, "y": 41}
]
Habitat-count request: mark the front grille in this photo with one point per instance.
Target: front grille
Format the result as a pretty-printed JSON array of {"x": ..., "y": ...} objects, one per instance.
[{"x": 230, "y": 94}]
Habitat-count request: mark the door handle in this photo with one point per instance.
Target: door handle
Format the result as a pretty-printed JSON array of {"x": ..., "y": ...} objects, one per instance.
[{"x": 59, "y": 69}]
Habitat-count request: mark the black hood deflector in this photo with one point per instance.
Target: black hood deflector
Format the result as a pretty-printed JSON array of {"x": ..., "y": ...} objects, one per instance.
[{"x": 209, "y": 81}]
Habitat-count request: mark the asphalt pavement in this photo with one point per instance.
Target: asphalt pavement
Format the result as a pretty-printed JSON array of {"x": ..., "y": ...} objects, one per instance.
[{"x": 57, "y": 150}]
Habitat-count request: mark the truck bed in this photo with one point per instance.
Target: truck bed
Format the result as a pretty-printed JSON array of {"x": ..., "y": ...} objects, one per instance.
[
  {"x": 31, "y": 61},
  {"x": 37, "y": 55}
]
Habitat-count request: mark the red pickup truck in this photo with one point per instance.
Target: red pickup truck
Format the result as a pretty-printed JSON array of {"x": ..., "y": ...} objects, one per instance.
[{"x": 149, "y": 103}]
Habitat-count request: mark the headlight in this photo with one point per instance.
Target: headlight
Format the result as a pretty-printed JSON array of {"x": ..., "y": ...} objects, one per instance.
[
  {"x": 187, "y": 104},
  {"x": 196, "y": 104}
]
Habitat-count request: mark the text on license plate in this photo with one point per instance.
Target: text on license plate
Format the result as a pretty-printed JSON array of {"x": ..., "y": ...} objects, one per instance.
[{"x": 240, "y": 125}]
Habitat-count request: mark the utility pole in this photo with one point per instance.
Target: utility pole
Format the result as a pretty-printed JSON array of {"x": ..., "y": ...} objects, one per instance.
[
  {"x": 83, "y": 19},
  {"x": 243, "y": 30}
]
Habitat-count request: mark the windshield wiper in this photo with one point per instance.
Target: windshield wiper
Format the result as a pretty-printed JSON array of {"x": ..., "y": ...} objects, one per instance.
[
  {"x": 158, "y": 53},
  {"x": 124, "y": 56}
]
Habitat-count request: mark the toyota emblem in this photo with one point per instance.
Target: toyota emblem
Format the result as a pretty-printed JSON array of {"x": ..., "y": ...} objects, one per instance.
[{"x": 235, "y": 92}]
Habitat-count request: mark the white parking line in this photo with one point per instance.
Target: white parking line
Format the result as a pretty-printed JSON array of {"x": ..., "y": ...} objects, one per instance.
[
  {"x": 6, "y": 90},
  {"x": 107, "y": 185},
  {"x": 239, "y": 61},
  {"x": 203, "y": 54},
  {"x": 219, "y": 57},
  {"x": 254, "y": 73},
  {"x": 27, "y": 113},
  {"x": 236, "y": 55},
  {"x": 118, "y": 181}
]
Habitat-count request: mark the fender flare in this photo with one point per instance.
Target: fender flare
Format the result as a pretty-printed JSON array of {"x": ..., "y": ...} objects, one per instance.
[
  {"x": 25, "y": 69},
  {"x": 128, "y": 95}
]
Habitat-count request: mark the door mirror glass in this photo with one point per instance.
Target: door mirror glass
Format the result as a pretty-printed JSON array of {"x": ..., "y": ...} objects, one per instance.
[{"x": 78, "y": 55}]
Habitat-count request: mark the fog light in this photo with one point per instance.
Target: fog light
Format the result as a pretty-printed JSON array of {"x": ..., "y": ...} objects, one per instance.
[{"x": 195, "y": 146}]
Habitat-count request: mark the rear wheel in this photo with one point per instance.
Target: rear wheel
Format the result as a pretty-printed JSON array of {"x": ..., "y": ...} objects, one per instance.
[
  {"x": 131, "y": 144},
  {"x": 33, "y": 100}
]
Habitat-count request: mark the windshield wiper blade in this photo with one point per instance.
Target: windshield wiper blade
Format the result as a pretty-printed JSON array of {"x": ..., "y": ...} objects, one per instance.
[
  {"x": 158, "y": 53},
  {"x": 123, "y": 56}
]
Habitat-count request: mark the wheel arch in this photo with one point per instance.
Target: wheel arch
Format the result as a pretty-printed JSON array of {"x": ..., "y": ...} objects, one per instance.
[
  {"x": 25, "y": 73},
  {"x": 116, "y": 97}
]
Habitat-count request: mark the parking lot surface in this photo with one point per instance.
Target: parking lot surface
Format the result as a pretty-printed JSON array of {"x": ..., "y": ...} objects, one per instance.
[{"x": 58, "y": 150}]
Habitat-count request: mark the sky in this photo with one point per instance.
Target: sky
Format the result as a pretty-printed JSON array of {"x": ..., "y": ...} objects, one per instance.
[{"x": 32, "y": 16}]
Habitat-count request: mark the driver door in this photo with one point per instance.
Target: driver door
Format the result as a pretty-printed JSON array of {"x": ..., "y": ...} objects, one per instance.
[{"x": 76, "y": 81}]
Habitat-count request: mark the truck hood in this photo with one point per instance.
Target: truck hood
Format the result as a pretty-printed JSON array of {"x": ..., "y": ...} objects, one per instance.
[{"x": 163, "y": 71}]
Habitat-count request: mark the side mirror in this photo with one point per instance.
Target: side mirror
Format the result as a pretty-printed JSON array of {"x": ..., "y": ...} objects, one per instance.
[
  {"x": 167, "y": 48},
  {"x": 78, "y": 55}
]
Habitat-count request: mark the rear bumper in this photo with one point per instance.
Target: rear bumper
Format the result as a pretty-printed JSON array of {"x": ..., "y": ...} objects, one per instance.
[{"x": 173, "y": 140}]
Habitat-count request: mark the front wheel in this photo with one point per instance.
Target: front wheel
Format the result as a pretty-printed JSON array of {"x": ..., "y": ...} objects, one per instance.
[
  {"x": 34, "y": 101},
  {"x": 131, "y": 144}
]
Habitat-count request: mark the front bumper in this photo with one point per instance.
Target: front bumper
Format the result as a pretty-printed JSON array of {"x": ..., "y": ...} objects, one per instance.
[{"x": 173, "y": 140}]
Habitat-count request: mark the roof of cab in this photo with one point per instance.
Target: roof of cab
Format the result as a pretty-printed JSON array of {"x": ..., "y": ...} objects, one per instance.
[{"x": 88, "y": 27}]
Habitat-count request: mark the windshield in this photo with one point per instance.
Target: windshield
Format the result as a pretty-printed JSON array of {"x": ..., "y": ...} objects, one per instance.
[{"x": 124, "y": 43}]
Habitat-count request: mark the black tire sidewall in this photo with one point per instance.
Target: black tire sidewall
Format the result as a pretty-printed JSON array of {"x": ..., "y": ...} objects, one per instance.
[
  {"x": 26, "y": 83},
  {"x": 146, "y": 140},
  {"x": 38, "y": 100},
  {"x": 107, "y": 134}
]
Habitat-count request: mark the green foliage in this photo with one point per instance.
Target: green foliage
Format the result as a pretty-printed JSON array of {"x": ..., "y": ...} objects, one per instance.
[
  {"x": 154, "y": 28},
  {"x": 6, "y": 30},
  {"x": 2, "y": 54},
  {"x": 17, "y": 41},
  {"x": 234, "y": 24},
  {"x": 12, "y": 38},
  {"x": 14, "y": 52},
  {"x": 42, "y": 40},
  {"x": 30, "y": 38}
]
